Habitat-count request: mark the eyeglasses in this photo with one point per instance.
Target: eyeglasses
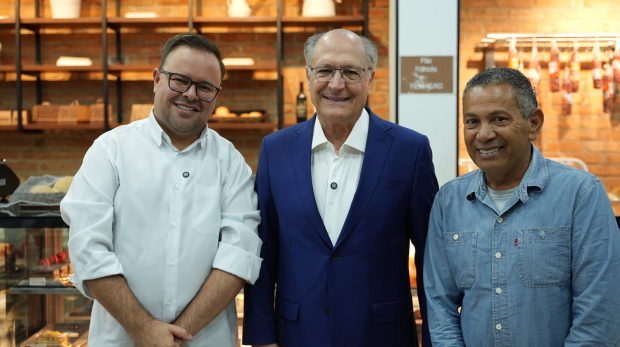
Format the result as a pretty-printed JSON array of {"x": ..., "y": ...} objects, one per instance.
[
  {"x": 181, "y": 83},
  {"x": 349, "y": 74}
]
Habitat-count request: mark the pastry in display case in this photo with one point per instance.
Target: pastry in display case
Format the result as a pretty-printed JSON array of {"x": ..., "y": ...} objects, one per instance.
[{"x": 40, "y": 306}]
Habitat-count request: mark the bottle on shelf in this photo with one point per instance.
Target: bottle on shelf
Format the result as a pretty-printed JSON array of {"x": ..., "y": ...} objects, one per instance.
[{"x": 302, "y": 104}]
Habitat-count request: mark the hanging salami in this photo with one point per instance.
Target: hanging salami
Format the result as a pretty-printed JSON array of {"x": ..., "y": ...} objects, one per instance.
[
  {"x": 534, "y": 69},
  {"x": 513, "y": 55},
  {"x": 554, "y": 67},
  {"x": 567, "y": 96},
  {"x": 608, "y": 90},
  {"x": 597, "y": 71},
  {"x": 615, "y": 64},
  {"x": 575, "y": 68}
]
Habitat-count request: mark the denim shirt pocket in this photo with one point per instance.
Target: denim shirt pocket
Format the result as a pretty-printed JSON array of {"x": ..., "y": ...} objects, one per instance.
[
  {"x": 544, "y": 256},
  {"x": 461, "y": 250},
  {"x": 206, "y": 210}
]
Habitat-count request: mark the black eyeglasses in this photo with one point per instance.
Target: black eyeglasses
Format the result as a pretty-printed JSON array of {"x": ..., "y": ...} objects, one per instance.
[
  {"x": 181, "y": 83},
  {"x": 350, "y": 74}
]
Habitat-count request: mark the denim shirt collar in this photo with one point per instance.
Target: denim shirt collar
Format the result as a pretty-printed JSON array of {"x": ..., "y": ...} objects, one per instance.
[{"x": 535, "y": 177}]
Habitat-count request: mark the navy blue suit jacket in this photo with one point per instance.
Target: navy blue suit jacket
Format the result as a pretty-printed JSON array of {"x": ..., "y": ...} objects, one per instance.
[{"x": 356, "y": 292}]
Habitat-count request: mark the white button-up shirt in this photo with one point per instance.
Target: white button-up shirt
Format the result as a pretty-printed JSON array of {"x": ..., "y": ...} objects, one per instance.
[
  {"x": 335, "y": 177},
  {"x": 163, "y": 218}
]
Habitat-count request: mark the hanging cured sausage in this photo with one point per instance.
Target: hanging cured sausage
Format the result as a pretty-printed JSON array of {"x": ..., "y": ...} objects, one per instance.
[
  {"x": 597, "y": 71},
  {"x": 534, "y": 69},
  {"x": 554, "y": 67},
  {"x": 567, "y": 96},
  {"x": 513, "y": 55},
  {"x": 575, "y": 68}
]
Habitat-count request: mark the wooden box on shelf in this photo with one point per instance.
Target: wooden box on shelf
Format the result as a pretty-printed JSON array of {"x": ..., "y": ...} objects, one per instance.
[
  {"x": 45, "y": 113},
  {"x": 140, "y": 111},
  {"x": 5, "y": 117},
  {"x": 73, "y": 113},
  {"x": 14, "y": 117},
  {"x": 96, "y": 112}
]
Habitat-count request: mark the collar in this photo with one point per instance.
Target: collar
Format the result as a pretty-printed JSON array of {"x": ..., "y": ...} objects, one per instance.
[
  {"x": 159, "y": 135},
  {"x": 357, "y": 138},
  {"x": 535, "y": 177}
]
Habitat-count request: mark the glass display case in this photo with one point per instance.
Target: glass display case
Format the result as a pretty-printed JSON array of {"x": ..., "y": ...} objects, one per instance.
[{"x": 38, "y": 304}]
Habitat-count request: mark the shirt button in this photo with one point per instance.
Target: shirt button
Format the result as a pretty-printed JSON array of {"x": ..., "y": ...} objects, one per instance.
[
  {"x": 500, "y": 220},
  {"x": 455, "y": 237},
  {"x": 498, "y": 326},
  {"x": 498, "y": 255},
  {"x": 331, "y": 202},
  {"x": 168, "y": 303},
  {"x": 174, "y": 224},
  {"x": 171, "y": 264},
  {"x": 334, "y": 185},
  {"x": 498, "y": 290},
  {"x": 178, "y": 186}
]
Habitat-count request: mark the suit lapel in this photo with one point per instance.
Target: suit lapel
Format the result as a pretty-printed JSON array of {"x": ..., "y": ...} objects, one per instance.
[
  {"x": 377, "y": 148},
  {"x": 301, "y": 156}
]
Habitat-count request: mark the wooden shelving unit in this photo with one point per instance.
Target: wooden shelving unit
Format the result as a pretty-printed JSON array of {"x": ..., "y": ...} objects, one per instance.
[{"x": 194, "y": 22}]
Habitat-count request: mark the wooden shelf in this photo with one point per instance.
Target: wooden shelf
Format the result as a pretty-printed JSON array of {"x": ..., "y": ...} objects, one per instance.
[
  {"x": 337, "y": 20},
  {"x": 147, "y": 67},
  {"x": 226, "y": 21},
  {"x": 159, "y": 21},
  {"x": 79, "y": 126},
  {"x": 88, "y": 22},
  {"x": 8, "y": 127},
  {"x": 243, "y": 126},
  {"x": 7, "y": 23},
  {"x": 54, "y": 68},
  {"x": 7, "y": 68}
]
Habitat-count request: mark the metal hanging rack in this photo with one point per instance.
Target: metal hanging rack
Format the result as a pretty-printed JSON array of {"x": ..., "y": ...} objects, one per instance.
[{"x": 499, "y": 42}]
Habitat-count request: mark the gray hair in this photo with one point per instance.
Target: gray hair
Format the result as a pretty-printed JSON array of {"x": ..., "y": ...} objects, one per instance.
[
  {"x": 371, "y": 50},
  {"x": 524, "y": 93}
]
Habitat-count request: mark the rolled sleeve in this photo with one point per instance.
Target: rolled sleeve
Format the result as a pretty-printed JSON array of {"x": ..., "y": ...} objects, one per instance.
[
  {"x": 239, "y": 248},
  {"x": 88, "y": 210}
]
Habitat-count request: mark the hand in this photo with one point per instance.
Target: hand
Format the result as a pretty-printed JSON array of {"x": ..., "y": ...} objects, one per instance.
[{"x": 160, "y": 334}]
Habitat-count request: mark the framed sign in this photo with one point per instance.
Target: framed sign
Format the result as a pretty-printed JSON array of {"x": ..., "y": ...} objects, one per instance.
[{"x": 426, "y": 74}]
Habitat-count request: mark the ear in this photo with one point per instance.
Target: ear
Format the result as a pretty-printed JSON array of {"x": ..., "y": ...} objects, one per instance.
[
  {"x": 536, "y": 120},
  {"x": 370, "y": 79},
  {"x": 156, "y": 77}
]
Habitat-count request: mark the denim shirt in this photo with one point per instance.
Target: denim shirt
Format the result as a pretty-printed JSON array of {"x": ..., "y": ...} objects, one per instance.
[{"x": 544, "y": 271}]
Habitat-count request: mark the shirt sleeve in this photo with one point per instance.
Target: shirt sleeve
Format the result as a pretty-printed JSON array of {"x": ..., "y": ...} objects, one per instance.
[
  {"x": 425, "y": 188},
  {"x": 595, "y": 271},
  {"x": 238, "y": 251},
  {"x": 259, "y": 319},
  {"x": 88, "y": 210},
  {"x": 443, "y": 297}
]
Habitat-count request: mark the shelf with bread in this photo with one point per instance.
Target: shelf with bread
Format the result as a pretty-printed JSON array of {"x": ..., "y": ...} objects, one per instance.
[
  {"x": 41, "y": 23},
  {"x": 341, "y": 20},
  {"x": 7, "y": 23}
]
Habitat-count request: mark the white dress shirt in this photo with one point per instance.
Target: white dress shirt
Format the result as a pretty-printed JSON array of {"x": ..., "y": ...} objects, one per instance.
[
  {"x": 164, "y": 219},
  {"x": 335, "y": 177}
]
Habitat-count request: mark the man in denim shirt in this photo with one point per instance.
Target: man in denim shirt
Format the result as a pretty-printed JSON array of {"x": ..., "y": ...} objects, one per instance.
[{"x": 527, "y": 248}]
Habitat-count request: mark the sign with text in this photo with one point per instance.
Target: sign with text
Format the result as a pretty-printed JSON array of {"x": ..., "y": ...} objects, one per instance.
[{"x": 426, "y": 74}]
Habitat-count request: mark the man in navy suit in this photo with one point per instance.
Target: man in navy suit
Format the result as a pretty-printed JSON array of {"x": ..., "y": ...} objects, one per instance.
[{"x": 340, "y": 197}]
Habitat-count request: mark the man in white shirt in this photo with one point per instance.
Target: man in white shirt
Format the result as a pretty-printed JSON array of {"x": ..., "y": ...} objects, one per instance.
[
  {"x": 163, "y": 216},
  {"x": 341, "y": 196}
]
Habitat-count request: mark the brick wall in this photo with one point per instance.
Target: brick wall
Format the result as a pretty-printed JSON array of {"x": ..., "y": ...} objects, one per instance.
[
  {"x": 587, "y": 134},
  {"x": 60, "y": 152}
]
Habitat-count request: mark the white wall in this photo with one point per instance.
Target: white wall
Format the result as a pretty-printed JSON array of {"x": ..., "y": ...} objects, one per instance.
[{"x": 427, "y": 28}]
